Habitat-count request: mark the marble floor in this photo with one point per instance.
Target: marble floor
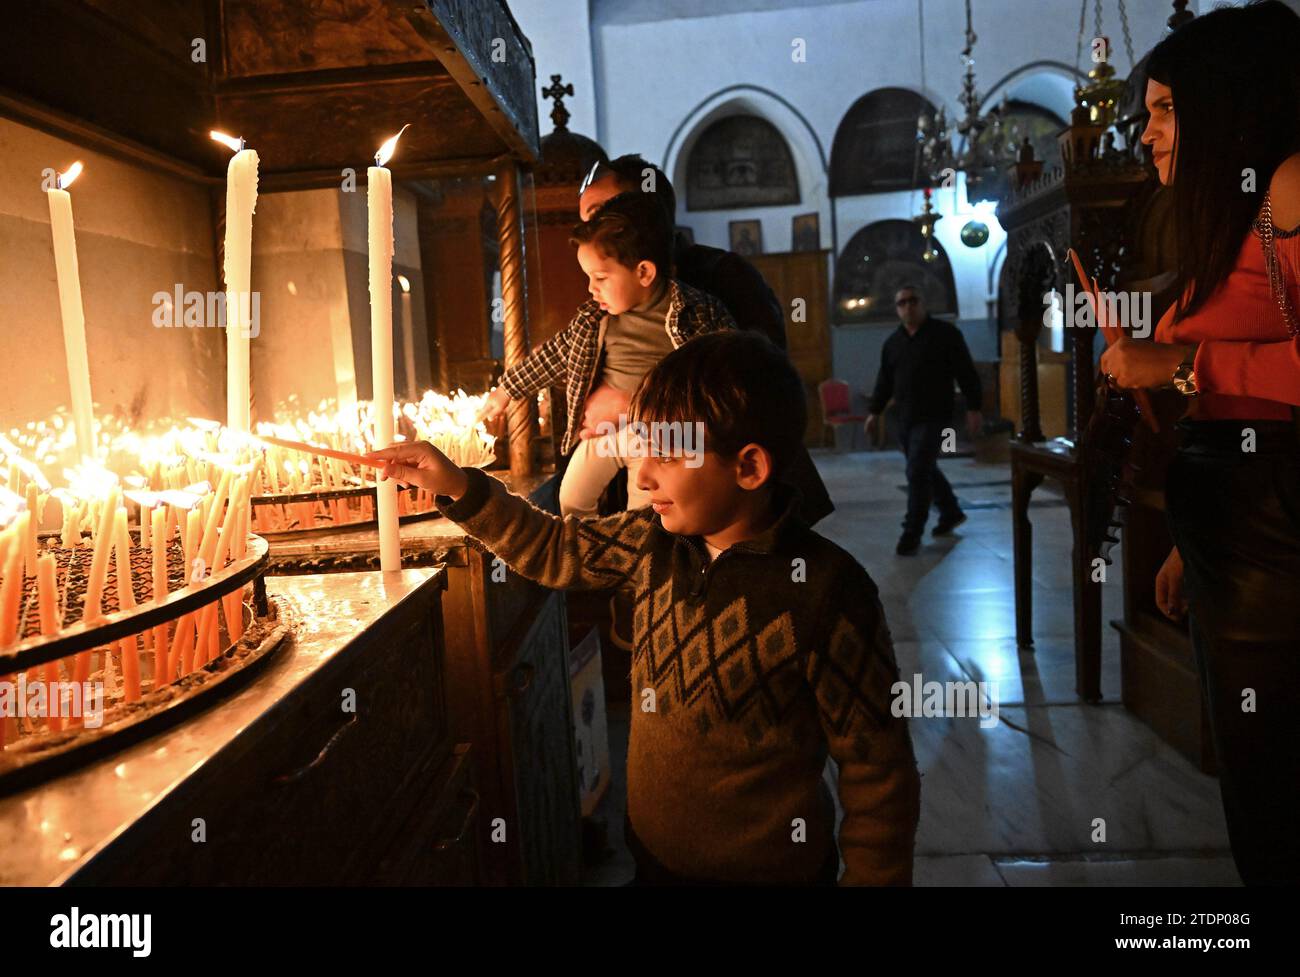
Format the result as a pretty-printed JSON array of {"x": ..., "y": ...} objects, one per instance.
[{"x": 1018, "y": 802}]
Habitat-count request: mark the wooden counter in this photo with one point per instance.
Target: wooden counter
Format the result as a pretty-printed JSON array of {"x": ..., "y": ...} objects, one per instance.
[
  {"x": 280, "y": 782},
  {"x": 507, "y": 680}
]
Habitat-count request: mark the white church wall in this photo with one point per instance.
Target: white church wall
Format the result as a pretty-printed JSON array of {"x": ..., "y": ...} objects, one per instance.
[
  {"x": 560, "y": 33},
  {"x": 665, "y": 69}
]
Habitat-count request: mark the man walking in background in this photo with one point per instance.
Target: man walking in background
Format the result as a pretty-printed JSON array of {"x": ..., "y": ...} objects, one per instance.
[{"x": 918, "y": 366}]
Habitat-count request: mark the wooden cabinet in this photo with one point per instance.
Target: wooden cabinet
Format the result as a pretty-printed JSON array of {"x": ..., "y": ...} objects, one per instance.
[
  {"x": 1159, "y": 679},
  {"x": 336, "y": 766},
  {"x": 508, "y": 667},
  {"x": 440, "y": 844},
  {"x": 505, "y": 666},
  {"x": 802, "y": 277},
  {"x": 539, "y": 715}
]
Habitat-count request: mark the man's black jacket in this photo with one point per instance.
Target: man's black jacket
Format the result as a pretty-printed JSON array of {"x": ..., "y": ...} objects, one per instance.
[
  {"x": 754, "y": 306},
  {"x": 918, "y": 371},
  {"x": 739, "y": 284}
]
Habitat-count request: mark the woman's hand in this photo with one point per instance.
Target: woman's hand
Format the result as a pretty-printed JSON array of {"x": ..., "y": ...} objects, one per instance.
[
  {"x": 420, "y": 463},
  {"x": 604, "y": 404},
  {"x": 1136, "y": 364},
  {"x": 1169, "y": 587}
]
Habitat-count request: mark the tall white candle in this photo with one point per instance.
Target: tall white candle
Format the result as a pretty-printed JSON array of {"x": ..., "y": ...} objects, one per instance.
[
  {"x": 74, "y": 317},
  {"x": 379, "y": 190},
  {"x": 241, "y": 201},
  {"x": 408, "y": 339}
]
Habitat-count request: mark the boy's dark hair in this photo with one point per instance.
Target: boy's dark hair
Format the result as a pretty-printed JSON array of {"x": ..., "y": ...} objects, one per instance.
[
  {"x": 739, "y": 384},
  {"x": 629, "y": 228},
  {"x": 1235, "y": 82},
  {"x": 629, "y": 173}
]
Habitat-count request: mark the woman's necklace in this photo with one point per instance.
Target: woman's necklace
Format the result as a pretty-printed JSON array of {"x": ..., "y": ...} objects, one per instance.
[{"x": 1264, "y": 227}]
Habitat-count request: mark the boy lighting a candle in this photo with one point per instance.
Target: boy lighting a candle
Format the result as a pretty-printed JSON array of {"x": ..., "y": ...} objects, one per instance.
[{"x": 759, "y": 645}]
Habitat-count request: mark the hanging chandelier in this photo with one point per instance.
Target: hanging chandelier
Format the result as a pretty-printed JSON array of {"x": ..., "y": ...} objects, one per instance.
[
  {"x": 925, "y": 222},
  {"x": 984, "y": 147},
  {"x": 1097, "y": 101}
]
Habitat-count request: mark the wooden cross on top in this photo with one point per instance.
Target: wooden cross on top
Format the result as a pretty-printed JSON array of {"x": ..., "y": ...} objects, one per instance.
[{"x": 557, "y": 91}]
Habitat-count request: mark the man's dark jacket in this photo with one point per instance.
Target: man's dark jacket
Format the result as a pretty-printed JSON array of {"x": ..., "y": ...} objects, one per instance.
[
  {"x": 918, "y": 372},
  {"x": 754, "y": 306}
]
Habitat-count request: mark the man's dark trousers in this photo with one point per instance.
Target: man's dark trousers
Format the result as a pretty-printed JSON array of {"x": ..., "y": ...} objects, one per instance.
[{"x": 920, "y": 442}]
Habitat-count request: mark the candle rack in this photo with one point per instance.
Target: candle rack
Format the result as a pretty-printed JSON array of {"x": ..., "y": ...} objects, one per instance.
[
  {"x": 41, "y": 750},
  {"x": 307, "y": 515}
]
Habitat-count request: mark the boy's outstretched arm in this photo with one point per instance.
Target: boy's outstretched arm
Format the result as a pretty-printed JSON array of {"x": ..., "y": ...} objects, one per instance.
[
  {"x": 852, "y": 676},
  {"x": 592, "y": 553}
]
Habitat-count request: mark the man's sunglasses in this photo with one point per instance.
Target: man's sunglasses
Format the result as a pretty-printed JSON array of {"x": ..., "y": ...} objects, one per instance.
[
  {"x": 910, "y": 300},
  {"x": 590, "y": 178}
]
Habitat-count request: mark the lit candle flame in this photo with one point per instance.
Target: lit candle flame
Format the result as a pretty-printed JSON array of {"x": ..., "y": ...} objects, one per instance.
[
  {"x": 90, "y": 480},
  {"x": 179, "y": 499},
  {"x": 70, "y": 174},
  {"x": 146, "y": 500},
  {"x": 404, "y": 282},
  {"x": 386, "y": 150},
  {"x": 234, "y": 142},
  {"x": 9, "y": 453},
  {"x": 11, "y": 500}
]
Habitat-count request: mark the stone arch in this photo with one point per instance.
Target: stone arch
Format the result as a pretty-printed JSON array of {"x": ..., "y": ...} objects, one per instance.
[{"x": 805, "y": 148}]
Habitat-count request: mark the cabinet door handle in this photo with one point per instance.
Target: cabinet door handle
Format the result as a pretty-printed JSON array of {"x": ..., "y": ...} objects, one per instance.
[
  {"x": 523, "y": 679},
  {"x": 295, "y": 775},
  {"x": 445, "y": 843}
]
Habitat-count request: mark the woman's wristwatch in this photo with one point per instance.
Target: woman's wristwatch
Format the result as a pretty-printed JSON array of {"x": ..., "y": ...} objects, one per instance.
[{"x": 1185, "y": 376}]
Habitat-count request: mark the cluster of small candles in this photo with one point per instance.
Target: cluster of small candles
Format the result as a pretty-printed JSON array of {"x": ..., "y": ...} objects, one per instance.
[
  {"x": 170, "y": 507},
  {"x": 187, "y": 529},
  {"x": 449, "y": 423},
  {"x": 183, "y": 528}
]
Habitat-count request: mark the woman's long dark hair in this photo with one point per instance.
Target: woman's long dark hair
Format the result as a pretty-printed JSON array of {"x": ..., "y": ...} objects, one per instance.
[{"x": 1235, "y": 78}]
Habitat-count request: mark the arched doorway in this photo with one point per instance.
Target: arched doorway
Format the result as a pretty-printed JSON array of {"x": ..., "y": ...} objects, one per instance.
[{"x": 881, "y": 258}]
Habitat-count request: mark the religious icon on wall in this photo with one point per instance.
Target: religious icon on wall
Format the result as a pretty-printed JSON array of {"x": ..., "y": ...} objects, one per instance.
[
  {"x": 805, "y": 232},
  {"x": 740, "y": 161},
  {"x": 746, "y": 236}
]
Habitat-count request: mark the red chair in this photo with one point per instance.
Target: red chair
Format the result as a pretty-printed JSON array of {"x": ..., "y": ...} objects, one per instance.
[{"x": 837, "y": 401}]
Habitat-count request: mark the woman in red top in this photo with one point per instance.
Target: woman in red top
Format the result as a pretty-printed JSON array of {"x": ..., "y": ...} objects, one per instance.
[{"x": 1224, "y": 96}]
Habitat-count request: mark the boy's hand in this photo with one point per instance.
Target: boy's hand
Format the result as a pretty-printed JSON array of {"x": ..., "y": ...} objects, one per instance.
[
  {"x": 494, "y": 406},
  {"x": 420, "y": 463}
]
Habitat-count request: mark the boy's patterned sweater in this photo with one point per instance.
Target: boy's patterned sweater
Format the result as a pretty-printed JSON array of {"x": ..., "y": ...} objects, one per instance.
[{"x": 745, "y": 671}]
